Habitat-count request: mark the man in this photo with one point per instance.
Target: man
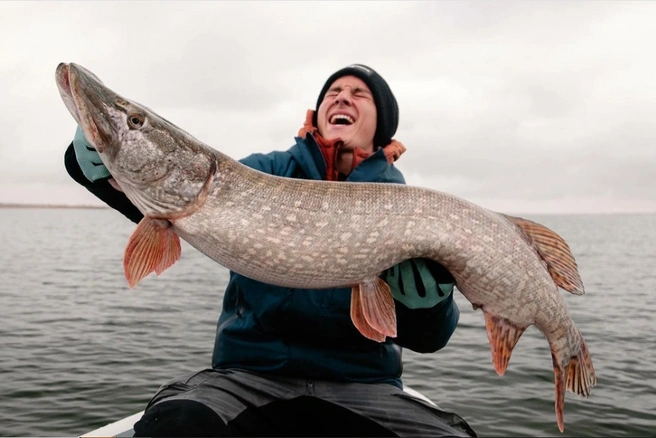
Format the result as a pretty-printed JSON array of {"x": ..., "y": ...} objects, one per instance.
[{"x": 290, "y": 361}]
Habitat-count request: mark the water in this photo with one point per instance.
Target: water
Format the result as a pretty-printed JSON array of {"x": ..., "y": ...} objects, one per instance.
[{"x": 79, "y": 349}]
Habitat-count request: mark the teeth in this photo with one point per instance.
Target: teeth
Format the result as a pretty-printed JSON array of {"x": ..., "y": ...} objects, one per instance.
[{"x": 337, "y": 117}]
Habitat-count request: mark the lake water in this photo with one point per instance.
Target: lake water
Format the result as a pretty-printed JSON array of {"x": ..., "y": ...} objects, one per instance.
[{"x": 79, "y": 349}]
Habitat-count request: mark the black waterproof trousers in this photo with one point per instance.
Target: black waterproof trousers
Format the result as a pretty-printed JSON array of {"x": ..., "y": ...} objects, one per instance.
[{"x": 240, "y": 403}]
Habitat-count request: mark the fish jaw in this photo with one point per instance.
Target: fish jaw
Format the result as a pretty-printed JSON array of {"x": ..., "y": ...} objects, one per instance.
[
  {"x": 64, "y": 87},
  {"x": 88, "y": 100}
]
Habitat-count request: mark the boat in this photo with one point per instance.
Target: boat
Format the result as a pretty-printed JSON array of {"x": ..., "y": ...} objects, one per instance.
[{"x": 124, "y": 426}]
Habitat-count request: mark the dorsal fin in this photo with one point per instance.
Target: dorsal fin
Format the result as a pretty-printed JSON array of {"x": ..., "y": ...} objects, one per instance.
[{"x": 554, "y": 251}]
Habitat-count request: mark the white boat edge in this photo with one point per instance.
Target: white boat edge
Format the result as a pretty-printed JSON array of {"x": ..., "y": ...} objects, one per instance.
[
  {"x": 124, "y": 427},
  {"x": 418, "y": 395},
  {"x": 118, "y": 428}
]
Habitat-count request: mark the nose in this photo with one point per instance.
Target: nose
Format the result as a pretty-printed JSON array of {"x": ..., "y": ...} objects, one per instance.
[{"x": 344, "y": 96}]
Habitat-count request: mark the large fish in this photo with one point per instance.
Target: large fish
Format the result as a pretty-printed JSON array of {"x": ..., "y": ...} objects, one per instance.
[{"x": 319, "y": 234}]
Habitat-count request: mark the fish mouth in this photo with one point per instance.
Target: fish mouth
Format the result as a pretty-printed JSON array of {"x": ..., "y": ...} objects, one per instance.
[
  {"x": 64, "y": 86},
  {"x": 86, "y": 99}
]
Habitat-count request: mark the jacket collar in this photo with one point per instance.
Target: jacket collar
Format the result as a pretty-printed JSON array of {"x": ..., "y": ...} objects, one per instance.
[{"x": 374, "y": 168}]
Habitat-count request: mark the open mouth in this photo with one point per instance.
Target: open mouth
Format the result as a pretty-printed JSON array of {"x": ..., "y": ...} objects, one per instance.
[{"x": 341, "y": 119}]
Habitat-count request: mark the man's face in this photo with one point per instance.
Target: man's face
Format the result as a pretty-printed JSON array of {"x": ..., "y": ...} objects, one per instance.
[{"x": 348, "y": 112}]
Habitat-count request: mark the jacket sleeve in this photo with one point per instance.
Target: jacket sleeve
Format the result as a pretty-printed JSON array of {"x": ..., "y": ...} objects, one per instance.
[
  {"x": 101, "y": 188},
  {"x": 426, "y": 330}
]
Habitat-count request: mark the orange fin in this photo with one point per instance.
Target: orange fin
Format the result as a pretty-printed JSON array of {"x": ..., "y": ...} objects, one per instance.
[
  {"x": 555, "y": 252},
  {"x": 559, "y": 379},
  {"x": 577, "y": 376},
  {"x": 503, "y": 336},
  {"x": 581, "y": 377},
  {"x": 372, "y": 309},
  {"x": 378, "y": 306},
  {"x": 170, "y": 252},
  {"x": 359, "y": 320},
  {"x": 153, "y": 247}
]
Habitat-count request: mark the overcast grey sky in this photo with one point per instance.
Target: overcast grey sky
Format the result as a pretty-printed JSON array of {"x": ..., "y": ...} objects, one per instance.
[{"x": 519, "y": 106}]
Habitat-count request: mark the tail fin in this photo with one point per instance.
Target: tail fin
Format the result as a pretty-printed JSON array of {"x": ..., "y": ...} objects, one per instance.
[{"x": 579, "y": 378}]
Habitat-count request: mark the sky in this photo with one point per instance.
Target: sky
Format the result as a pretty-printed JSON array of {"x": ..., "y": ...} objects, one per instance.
[{"x": 520, "y": 107}]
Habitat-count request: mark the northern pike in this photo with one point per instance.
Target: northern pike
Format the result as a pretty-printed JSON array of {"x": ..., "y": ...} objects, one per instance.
[{"x": 321, "y": 234}]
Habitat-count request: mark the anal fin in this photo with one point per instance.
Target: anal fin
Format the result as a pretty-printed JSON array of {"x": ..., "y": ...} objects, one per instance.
[{"x": 503, "y": 336}]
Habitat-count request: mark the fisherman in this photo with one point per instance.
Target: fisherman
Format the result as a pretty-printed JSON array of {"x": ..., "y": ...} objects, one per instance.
[{"x": 290, "y": 361}]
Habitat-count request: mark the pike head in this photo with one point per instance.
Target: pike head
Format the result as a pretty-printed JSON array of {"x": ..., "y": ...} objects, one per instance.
[{"x": 163, "y": 170}]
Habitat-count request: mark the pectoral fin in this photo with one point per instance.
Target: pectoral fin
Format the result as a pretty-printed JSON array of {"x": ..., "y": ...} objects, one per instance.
[
  {"x": 372, "y": 309},
  {"x": 153, "y": 247},
  {"x": 170, "y": 251},
  {"x": 555, "y": 252}
]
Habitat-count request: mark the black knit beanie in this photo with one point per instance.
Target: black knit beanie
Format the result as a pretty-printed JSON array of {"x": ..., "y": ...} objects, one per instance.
[{"x": 386, "y": 107}]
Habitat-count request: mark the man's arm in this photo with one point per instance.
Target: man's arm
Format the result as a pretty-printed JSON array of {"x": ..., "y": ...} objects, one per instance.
[
  {"x": 101, "y": 188},
  {"x": 426, "y": 313}
]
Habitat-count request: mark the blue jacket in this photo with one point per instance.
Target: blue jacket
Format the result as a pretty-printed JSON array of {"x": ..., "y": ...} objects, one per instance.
[{"x": 306, "y": 332}]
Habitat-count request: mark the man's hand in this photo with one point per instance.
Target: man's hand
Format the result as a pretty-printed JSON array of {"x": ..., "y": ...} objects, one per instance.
[
  {"x": 419, "y": 283},
  {"x": 87, "y": 157}
]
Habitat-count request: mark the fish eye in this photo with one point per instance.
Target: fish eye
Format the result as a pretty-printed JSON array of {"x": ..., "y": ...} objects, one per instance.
[{"x": 135, "y": 120}]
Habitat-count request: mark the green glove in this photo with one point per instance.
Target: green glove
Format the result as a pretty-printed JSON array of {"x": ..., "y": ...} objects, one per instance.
[
  {"x": 87, "y": 157},
  {"x": 413, "y": 283}
]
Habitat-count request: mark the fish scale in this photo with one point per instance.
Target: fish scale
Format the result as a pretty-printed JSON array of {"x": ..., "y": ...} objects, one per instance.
[{"x": 319, "y": 234}]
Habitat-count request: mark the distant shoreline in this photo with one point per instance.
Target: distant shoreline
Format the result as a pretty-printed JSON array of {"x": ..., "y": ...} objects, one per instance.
[{"x": 8, "y": 205}]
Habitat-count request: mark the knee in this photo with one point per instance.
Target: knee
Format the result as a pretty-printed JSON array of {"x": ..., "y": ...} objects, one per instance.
[{"x": 180, "y": 418}]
